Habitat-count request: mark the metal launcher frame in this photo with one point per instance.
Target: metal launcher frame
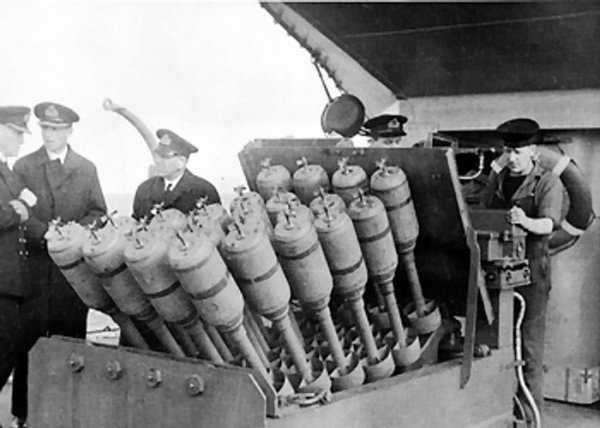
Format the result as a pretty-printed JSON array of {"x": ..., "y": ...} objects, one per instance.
[{"x": 73, "y": 383}]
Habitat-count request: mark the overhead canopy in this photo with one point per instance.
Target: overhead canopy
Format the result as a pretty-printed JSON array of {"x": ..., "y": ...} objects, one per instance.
[{"x": 425, "y": 49}]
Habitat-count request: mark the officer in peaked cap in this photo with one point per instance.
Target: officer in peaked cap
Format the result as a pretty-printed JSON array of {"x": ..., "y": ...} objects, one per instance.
[
  {"x": 174, "y": 186},
  {"x": 55, "y": 115},
  {"x": 15, "y": 117},
  {"x": 17, "y": 202},
  {"x": 386, "y": 130},
  {"x": 68, "y": 188},
  {"x": 532, "y": 197},
  {"x": 170, "y": 144}
]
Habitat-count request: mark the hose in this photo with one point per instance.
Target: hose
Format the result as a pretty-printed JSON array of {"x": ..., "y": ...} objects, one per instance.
[
  {"x": 476, "y": 174},
  {"x": 518, "y": 357}
]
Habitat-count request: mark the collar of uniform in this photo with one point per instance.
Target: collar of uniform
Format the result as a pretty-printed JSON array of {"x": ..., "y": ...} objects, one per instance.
[
  {"x": 173, "y": 183},
  {"x": 3, "y": 158},
  {"x": 62, "y": 155},
  {"x": 527, "y": 186}
]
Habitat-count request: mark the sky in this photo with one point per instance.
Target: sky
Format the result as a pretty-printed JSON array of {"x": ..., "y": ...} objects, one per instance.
[{"x": 219, "y": 74}]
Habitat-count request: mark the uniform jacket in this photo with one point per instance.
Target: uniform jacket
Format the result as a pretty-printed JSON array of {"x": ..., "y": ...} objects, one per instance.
[
  {"x": 183, "y": 197},
  {"x": 13, "y": 269},
  {"x": 540, "y": 196},
  {"x": 72, "y": 192}
]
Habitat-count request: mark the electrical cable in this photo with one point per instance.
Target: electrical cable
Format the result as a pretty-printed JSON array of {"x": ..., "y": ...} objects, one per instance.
[{"x": 518, "y": 356}]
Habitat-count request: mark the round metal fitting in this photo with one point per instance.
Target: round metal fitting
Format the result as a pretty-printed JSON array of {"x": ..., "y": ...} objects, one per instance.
[
  {"x": 194, "y": 385},
  {"x": 153, "y": 378},
  {"x": 114, "y": 370},
  {"x": 76, "y": 362}
]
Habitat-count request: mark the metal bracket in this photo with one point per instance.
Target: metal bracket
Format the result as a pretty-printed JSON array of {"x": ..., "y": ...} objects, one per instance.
[{"x": 78, "y": 384}]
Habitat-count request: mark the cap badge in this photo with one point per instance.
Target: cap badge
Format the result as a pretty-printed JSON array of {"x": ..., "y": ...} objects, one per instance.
[
  {"x": 51, "y": 112},
  {"x": 26, "y": 117},
  {"x": 165, "y": 140},
  {"x": 394, "y": 123}
]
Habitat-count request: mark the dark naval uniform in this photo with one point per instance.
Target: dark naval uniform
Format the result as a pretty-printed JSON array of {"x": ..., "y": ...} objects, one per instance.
[
  {"x": 14, "y": 286},
  {"x": 183, "y": 197},
  {"x": 15, "y": 203},
  {"x": 539, "y": 196},
  {"x": 72, "y": 192}
]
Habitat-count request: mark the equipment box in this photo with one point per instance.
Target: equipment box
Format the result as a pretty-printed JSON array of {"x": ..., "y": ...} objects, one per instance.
[{"x": 496, "y": 238}]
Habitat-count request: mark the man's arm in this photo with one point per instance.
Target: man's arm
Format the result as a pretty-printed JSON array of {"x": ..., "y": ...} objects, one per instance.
[
  {"x": 548, "y": 195},
  {"x": 537, "y": 226}
]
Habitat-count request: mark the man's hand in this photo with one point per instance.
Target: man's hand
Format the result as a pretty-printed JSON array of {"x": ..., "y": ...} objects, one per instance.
[
  {"x": 516, "y": 216},
  {"x": 20, "y": 209},
  {"x": 28, "y": 196},
  {"x": 537, "y": 226}
]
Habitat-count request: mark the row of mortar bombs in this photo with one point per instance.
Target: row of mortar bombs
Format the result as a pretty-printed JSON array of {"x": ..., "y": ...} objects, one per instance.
[
  {"x": 373, "y": 230},
  {"x": 127, "y": 227},
  {"x": 209, "y": 220},
  {"x": 310, "y": 180},
  {"x": 348, "y": 181},
  {"x": 253, "y": 263},
  {"x": 146, "y": 257},
  {"x": 344, "y": 257},
  {"x": 104, "y": 252},
  {"x": 203, "y": 274},
  {"x": 306, "y": 269},
  {"x": 65, "y": 243},
  {"x": 248, "y": 209},
  {"x": 390, "y": 184}
]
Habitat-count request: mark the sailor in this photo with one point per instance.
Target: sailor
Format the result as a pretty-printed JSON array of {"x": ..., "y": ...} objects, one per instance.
[
  {"x": 68, "y": 188},
  {"x": 16, "y": 202},
  {"x": 174, "y": 186},
  {"x": 386, "y": 130},
  {"x": 533, "y": 198}
]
